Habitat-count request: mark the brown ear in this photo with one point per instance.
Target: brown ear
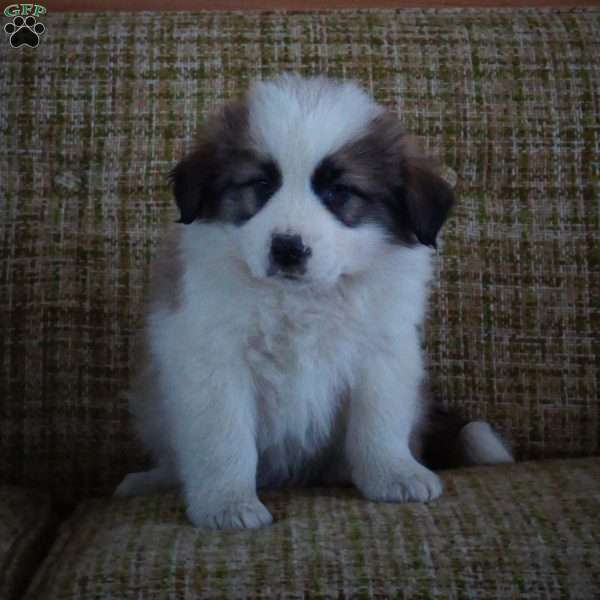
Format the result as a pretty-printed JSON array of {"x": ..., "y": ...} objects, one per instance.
[
  {"x": 417, "y": 200},
  {"x": 196, "y": 178},
  {"x": 425, "y": 199},
  {"x": 193, "y": 180}
]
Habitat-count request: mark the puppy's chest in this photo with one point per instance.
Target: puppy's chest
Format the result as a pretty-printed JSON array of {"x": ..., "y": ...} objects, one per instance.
[
  {"x": 301, "y": 361},
  {"x": 288, "y": 343}
]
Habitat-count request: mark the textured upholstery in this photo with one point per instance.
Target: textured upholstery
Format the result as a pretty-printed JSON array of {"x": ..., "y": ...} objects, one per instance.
[
  {"x": 27, "y": 524},
  {"x": 529, "y": 531},
  {"x": 93, "y": 119}
]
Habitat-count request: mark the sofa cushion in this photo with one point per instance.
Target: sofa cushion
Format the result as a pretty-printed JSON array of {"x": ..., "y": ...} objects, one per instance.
[
  {"x": 26, "y": 527},
  {"x": 93, "y": 119},
  {"x": 530, "y": 530}
]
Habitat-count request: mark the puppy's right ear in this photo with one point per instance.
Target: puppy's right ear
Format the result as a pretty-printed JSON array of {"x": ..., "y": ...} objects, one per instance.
[
  {"x": 193, "y": 181},
  {"x": 198, "y": 178}
]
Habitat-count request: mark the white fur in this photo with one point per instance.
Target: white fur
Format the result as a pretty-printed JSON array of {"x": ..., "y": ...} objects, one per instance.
[
  {"x": 480, "y": 445},
  {"x": 252, "y": 380}
]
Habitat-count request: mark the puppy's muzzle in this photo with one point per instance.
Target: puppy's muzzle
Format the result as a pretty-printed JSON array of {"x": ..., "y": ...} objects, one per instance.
[{"x": 288, "y": 255}]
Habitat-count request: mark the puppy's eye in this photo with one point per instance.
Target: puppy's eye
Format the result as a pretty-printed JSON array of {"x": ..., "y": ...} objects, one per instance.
[
  {"x": 255, "y": 193},
  {"x": 258, "y": 183},
  {"x": 263, "y": 188},
  {"x": 336, "y": 195}
]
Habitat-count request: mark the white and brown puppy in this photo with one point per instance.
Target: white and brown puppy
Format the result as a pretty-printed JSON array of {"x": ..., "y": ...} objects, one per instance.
[{"x": 284, "y": 313}]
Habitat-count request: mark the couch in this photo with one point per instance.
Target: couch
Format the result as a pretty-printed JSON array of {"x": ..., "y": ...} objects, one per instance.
[{"x": 92, "y": 120}]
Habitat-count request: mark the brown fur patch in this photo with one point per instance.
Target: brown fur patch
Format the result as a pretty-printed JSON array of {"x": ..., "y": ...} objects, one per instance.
[
  {"x": 217, "y": 180},
  {"x": 397, "y": 185}
]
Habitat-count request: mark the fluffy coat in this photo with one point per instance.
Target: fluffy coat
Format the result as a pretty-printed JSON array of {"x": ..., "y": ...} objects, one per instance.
[{"x": 265, "y": 368}]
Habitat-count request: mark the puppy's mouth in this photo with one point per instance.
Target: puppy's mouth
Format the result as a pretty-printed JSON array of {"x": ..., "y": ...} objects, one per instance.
[
  {"x": 276, "y": 273},
  {"x": 290, "y": 276}
]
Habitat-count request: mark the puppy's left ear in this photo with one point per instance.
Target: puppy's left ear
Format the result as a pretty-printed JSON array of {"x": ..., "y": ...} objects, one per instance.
[{"x": 425, "y": 199}]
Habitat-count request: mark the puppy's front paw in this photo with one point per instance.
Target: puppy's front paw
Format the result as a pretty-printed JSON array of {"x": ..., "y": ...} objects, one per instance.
[
  {"x": 411, "y": 483},
  {"x": 242, "y": 514}
]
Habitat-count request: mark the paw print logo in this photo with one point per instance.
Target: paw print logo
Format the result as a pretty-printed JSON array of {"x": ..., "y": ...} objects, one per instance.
[{"x": 24, "y": 32}]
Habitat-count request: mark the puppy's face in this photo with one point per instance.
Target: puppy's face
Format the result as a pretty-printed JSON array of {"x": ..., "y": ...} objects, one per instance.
[{"x": 312, "y": 179}]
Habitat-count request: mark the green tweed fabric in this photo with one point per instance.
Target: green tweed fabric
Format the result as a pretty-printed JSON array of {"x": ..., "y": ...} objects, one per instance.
[
  {"x": 27, "y": 524},
  {"x": 93, "y": 119},
  {"x": 528, "y": 532}
]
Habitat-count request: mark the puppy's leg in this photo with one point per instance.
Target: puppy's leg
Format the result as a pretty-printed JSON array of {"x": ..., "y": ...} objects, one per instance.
[
  {"x": 215, "y": 448},
  {"x": 383, "y": 409}
]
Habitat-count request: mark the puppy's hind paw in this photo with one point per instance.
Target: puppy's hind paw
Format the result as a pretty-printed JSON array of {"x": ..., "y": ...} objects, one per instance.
[
  {"x": 243, "y": 514},
  {"x": 145, "y": 482},
  {"x": 134, "y": 484}
]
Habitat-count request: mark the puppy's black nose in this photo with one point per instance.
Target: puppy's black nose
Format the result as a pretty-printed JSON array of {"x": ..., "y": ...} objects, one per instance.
[{"x": 289, "y": 252}]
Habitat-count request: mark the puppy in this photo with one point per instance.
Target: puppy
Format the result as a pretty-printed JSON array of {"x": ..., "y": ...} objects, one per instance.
[{"x": 283, "y": 324}]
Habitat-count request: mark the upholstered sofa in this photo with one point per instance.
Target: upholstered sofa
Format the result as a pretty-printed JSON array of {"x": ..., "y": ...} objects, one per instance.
[{"x": 91, "y": 121}]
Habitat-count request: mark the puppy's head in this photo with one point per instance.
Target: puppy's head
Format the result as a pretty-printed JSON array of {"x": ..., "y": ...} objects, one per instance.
[{"x": 313, "y": 181}]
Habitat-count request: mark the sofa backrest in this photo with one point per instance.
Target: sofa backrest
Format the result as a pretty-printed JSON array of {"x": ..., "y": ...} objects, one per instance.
[{"x": 93, "y": 119}]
